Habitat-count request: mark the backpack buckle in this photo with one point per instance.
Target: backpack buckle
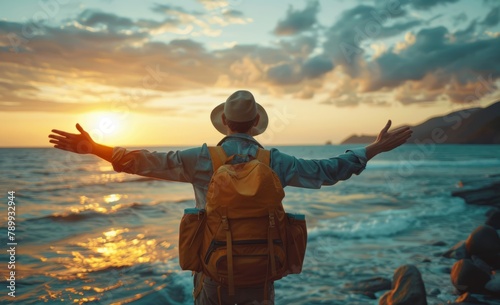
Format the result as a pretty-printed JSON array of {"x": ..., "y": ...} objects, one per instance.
[
  {"x": 225, "y": 223},
  {"x": 271, "y": 220}
]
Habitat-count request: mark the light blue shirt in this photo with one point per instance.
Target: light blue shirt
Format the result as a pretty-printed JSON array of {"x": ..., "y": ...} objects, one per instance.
[{"x": 195, "y": 166}]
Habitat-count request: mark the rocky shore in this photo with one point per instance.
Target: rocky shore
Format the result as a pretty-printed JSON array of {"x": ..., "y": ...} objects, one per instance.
[{"x": 474, "y": 262}]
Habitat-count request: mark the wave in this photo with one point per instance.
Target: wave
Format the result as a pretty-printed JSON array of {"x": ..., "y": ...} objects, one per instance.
[
  {"x": 65, "y": 186},
  {"x": 387, "y": 223},
  {"x": 92, "y": 212},
  {"x": 388, "y": 164},
  {"x": 143, "y": 179},
  {"x": 363, "y": 226}
]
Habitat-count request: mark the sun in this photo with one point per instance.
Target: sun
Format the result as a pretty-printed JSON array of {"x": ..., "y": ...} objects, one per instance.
[{"x": 101, "y": 124}]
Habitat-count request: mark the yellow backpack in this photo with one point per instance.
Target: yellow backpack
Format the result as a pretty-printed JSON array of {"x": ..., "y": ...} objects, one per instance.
[{"x": 243, "y": 237}]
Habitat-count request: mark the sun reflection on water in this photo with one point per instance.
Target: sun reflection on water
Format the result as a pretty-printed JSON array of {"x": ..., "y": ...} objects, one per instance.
[
  {"x": 112, "y": 198},
  {"x": 91, "y": 204},
  {"x": 109, "y": 252},
  {"x": 116, "y": 248}
]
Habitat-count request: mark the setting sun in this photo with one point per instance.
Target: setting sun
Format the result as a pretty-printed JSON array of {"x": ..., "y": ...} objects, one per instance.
[
  {"x": 106, "y": 126},
  {"x": 102, "y": 123}
]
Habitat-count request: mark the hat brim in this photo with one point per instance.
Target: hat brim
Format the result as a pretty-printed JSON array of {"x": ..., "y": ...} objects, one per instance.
[{"x": 216, "y": 118}]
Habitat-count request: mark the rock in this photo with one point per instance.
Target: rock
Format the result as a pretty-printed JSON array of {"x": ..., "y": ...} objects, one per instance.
[
  {"x": 493, "y": 285},
  {"x": 481, "y": 264},
  {"x": 485, "y": 243},
  {"x": 467, "y": 277},
  {"x": 486, "y": 195},
  {"x": 421, "y": 258},
  {"x": 369, "y": 286},
  {"x": 359, "y": 139},
  {"x": 466, "y": 299},
  {"x": 479, "y": 128},
  {"x": 494, "y": 261},
  {"x": 446, "y": 270},
  {"x": 458, "y": 251},
  {"x": 494, "y": 219},
  {"x": 434, "y": 292},
  {"x": 367, "y": 294},
  {"x": 407, "y": 288},
  {"x": 438, "y": 244}
]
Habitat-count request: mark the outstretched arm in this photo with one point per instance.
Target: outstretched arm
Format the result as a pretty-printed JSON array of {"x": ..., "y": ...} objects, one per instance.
[
  {"x": 80, "y": 143},
  {"x": 388, "y": 140},
  {"x": 172, "y": 165}
]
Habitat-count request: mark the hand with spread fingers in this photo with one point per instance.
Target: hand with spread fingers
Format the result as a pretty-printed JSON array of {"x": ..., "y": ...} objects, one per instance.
[
  {"x": 388, "y": 140},
  {"x": 80, "y": 143}
]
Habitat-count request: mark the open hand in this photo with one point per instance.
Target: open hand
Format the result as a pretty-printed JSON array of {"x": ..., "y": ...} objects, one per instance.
[
  {"x": 388, "y": 140},
  {"x": 80, "y": 143}
]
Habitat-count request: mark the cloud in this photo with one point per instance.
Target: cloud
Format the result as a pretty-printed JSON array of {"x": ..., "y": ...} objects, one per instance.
[
  {"x": 427, "y": 90},
  {"x": 232, "y": 14},
  {"x": 467, "y": 33},
  {"x": 300, "y": 46},
  {"x": 211, "y": 5},
  {"x": 398, "y": 28},
  {"x": 493, "y": 17},
  {"x": 21, "y": 97},
  {"x": 459, "y": 18},
  {"x": 120, "y": 56},
  {"x": 284, "y": 74},
  {"x": 353, "y": 99},
  {"x": 68, "y": 60},
  {"x": 432, "y": 19},
  {"x": 316, "y": 66},
  {"x": 172, "y": 9},
  {"x": 345, "y": 38},
  {"x": 111, "y": 22},
  {"x": 218, "y": 14},
  {"x": 10, "y": 87},
  {"x": 297, "y": 21},
  {"x": 99, "y": 57},
  {"x": 427, "y": 4},
  {"x": 175, "y": 22},
  {"x": 293, "y": 73},
  {"x": 435, "y": 63},
  {"x": 230, "y": 17}
]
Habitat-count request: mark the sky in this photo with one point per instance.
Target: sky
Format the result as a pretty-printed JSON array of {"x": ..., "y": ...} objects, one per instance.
[{"x": 148, "y": 73}]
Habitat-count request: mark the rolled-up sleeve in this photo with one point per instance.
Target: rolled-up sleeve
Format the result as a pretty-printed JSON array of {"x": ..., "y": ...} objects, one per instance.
[
  {"x": 315, "y": 173},
  {"x": 173, "y": 165}
]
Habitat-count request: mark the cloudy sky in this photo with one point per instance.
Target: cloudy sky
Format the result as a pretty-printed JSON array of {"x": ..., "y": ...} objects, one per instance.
[{"x": 141, "y": 73}]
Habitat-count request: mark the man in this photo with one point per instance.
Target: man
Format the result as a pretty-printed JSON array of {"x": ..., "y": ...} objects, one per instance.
[{"x": 240, "y": 118}]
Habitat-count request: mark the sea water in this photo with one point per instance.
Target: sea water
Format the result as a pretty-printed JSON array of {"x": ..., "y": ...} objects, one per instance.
[{"x": 87, "y": 234}]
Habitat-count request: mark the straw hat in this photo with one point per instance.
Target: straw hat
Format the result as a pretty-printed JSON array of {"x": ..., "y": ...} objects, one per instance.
[{"x": 240, "y": 107}]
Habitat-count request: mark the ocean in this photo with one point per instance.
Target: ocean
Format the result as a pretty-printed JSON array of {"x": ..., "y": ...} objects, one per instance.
[{"x": 86, "y": 234}]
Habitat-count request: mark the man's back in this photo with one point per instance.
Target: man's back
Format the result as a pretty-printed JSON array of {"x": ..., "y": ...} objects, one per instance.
[{"x": 195, "y": 166}]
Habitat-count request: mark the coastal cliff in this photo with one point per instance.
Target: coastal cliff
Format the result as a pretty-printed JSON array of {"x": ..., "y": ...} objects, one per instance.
[{"x": 467, "y": 126}]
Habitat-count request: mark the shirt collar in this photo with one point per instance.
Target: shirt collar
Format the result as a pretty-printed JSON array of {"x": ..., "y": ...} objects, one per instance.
[{"x": 239, "y": 136}]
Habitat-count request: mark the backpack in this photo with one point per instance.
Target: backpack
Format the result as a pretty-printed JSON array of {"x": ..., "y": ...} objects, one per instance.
[{"x": 243, "y": 237}]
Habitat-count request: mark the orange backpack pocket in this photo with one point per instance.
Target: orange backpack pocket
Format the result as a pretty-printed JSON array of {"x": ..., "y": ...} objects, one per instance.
[
  {"x": 296, "y": 242},
  {"x": 251, "y": 261},
  {"x": 191, "y": 238}
]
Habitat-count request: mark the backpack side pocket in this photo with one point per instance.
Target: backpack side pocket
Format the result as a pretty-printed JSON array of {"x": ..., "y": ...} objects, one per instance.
[
  {"x": 191, "y": 238},
  {"x": 296, "y": 242}
]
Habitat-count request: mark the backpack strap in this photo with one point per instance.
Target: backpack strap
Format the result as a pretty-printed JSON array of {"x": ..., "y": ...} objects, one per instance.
[
  {"x": 263, "y": 156},
  {"x": 229, "y": 247},
  {"x": 218, "y": 156},
  {"x": 199, "y": 279}
]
